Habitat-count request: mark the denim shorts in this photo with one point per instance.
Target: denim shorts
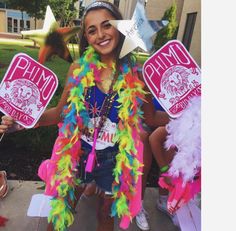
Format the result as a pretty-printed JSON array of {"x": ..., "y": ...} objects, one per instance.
[{"x": 102, "y": 173}]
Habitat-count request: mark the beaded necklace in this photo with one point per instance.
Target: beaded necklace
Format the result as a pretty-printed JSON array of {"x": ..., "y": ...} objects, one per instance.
[
  {"x": 105, "y": 109},
  {"x": 75, "y": 118}
]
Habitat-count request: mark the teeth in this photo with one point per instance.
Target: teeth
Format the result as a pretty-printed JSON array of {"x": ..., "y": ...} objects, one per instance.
[{"x": 104, "y": 43}]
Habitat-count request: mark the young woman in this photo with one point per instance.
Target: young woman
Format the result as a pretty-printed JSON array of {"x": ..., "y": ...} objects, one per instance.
[
  {"x": 163, "y": 158},
  {"x": 99, "y": 117}
]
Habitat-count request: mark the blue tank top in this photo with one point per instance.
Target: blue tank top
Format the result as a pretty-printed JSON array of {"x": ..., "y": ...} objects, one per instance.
[
  {"x": 158, "y": 107},
  {"x": 95, "y": 98}
]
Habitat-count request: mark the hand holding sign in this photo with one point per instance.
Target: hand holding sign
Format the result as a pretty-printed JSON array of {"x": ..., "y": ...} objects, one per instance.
[{"x": 26, "y": 90}]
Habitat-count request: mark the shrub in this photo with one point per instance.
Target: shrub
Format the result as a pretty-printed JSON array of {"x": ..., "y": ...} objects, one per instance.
[{"x": 170, "y": 31}]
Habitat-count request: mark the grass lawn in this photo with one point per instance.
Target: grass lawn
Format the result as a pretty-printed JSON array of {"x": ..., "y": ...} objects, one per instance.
[
  {"x": 11, "y": 47},
  {"x": 8, "y": 50}
]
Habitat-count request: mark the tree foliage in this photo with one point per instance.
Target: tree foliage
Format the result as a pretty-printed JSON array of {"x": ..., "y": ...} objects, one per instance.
[
  {"x": 170, "y": 31},
  {"x": 35, "y": 8},
  {"x": 64, "y": 11}
]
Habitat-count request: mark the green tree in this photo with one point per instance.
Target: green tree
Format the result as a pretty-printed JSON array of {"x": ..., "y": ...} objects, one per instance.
[
  {"x": 64, "y": 11},
  {"x": 170, "y": 31},
  {"x": 3, "y": 3}
]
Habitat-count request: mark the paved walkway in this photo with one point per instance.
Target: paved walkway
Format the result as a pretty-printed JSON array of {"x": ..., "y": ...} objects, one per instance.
[
  {"x": 10, "y": 35},
  {"x": 15, "y": 206}
]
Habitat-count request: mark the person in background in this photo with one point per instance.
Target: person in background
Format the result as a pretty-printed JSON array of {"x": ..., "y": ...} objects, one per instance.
[
  {"x": 3, "y": 175},
  {"x": 163, "y": 158},
  {"x": 154, "y": 138}
]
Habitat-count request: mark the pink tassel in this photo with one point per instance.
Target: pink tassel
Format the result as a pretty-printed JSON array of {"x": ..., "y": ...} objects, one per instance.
[
  {"x": 90, "y": 162},
  {"x": 92, "y": 155}
]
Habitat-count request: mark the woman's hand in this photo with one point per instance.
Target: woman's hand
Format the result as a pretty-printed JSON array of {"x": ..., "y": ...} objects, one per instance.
[{"x": 6, "y": 123}]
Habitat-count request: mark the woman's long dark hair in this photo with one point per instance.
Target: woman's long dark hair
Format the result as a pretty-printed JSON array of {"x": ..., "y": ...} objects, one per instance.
[{"x": 114, "y": 11}]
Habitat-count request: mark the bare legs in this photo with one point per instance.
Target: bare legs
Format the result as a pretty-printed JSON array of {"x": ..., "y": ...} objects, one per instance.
[
  {"x": 163, "y": 157},
  {"x": 147, "y": 160},
  {"x": 78, "y": 192},
  {"x": 104, "y": 221}
]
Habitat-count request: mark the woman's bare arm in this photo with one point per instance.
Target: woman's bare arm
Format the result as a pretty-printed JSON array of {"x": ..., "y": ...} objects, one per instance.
[
  {"x": 53, "y": 115},
  {"x": 152, "y": 117}
]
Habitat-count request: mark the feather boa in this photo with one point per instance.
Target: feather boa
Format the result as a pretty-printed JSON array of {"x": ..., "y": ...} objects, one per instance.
[
  {"x": 67, "y": 149},
  {"x": 185, "y": 134}
]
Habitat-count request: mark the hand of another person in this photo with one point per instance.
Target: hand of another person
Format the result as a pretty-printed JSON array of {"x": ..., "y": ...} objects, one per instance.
[{"x": 6, "y": 123}]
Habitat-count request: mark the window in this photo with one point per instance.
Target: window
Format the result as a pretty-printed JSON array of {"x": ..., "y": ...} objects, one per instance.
[
  {"x": 117, "y": 3},
  {"x": 2, "y": 5},
  {"x": 189, "y": 27},
  {"x": 27, "y": 25},
  {"x": 15, "y": 23},
  {"x": 9, "y": 25},
  {"x": 21, "y": 25}
]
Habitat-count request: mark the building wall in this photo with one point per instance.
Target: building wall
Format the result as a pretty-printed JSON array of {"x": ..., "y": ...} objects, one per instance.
[
  {"x": 15, "y": 17},
  {"x": 156, "y": 8},
  {"x": 3, "y": 21},
  {"x": 191, "y": 6},
  {"x": 39, "y": 24},
  {"x": 87, "y": 2},
  {"x": 128, "y": 8}
]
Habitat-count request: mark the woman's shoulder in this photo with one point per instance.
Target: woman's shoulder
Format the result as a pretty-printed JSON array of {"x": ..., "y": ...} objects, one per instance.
[{"x": 73, "y": 66}]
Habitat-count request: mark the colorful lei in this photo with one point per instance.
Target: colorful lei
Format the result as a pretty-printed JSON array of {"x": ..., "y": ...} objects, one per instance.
[{"x": 68, "y": 147}]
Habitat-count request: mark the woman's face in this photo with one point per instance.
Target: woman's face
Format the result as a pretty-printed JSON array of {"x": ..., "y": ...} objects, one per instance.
[{"x": 100, "y": 34}]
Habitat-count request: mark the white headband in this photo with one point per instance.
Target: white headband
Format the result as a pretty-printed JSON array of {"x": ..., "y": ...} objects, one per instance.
[{"x": 99, "y": 5}]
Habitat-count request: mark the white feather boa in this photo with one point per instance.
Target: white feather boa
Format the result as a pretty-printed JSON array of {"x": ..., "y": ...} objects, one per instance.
[{"x": 185, "y": 134}]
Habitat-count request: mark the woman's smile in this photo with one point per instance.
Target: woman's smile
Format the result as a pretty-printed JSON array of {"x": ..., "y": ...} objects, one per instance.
[{"x": 104, "y": 42}]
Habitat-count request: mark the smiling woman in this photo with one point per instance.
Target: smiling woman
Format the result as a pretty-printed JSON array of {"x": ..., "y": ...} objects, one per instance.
[{"x": 104, "y": 97}]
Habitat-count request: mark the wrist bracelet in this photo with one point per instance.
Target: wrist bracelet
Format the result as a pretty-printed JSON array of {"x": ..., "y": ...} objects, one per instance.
[{"x": 164, "y": 168}]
